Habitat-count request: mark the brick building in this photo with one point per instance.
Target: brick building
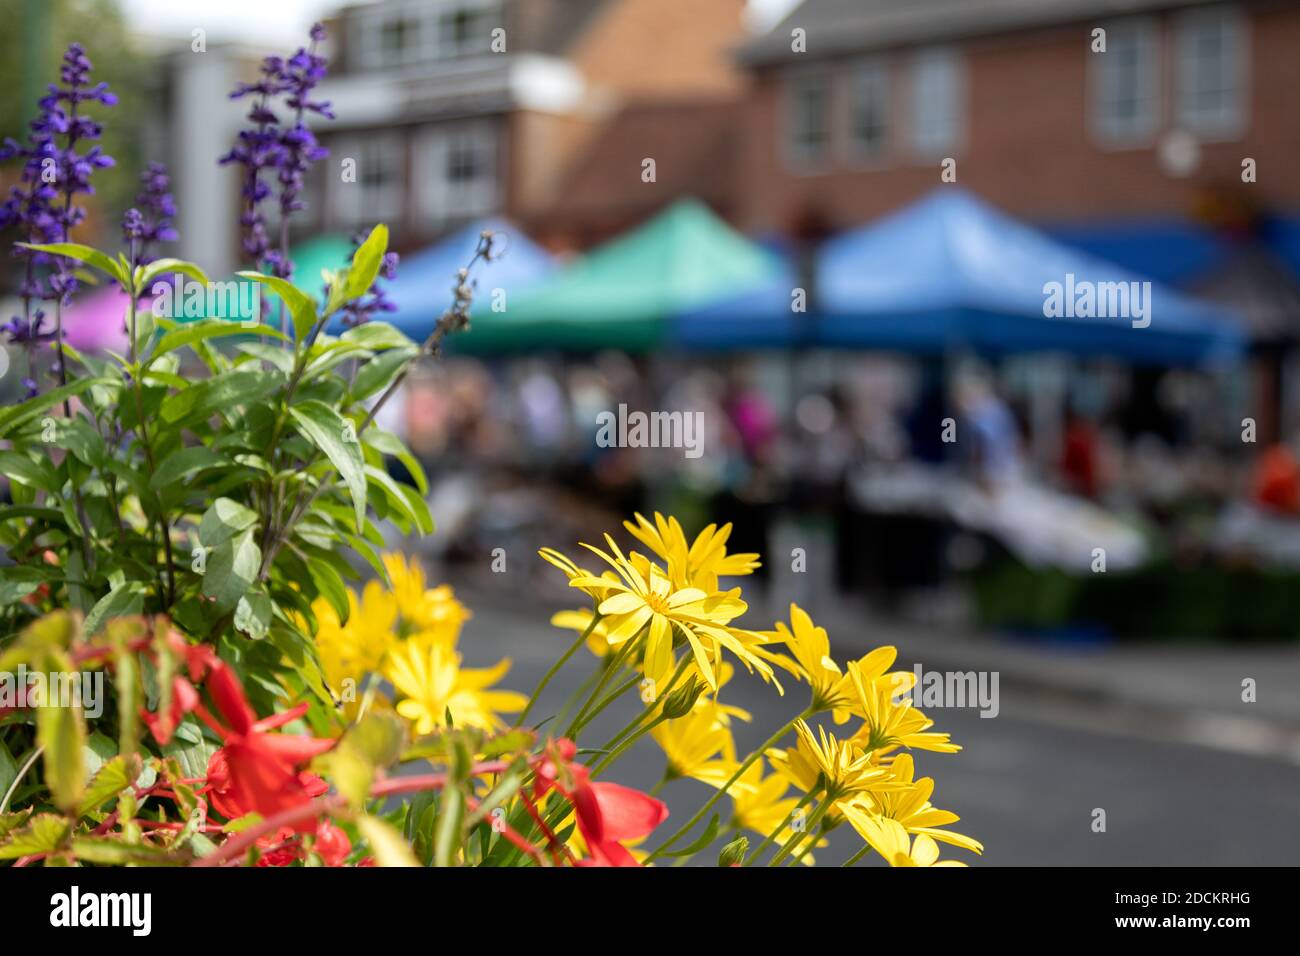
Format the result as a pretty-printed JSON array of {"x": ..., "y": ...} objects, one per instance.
[
  {"x": 1013, "y": 91},
  {"x": 456, "y": 109}
]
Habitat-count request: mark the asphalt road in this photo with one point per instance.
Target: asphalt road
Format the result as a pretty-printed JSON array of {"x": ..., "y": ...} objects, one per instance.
[{"x": 1026, "y": 785}]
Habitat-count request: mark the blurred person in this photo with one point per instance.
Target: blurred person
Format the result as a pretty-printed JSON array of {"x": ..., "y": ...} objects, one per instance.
[
  {"x": 1080, "y": 450},
  {"x": 1275, "y": 482},
  {"x": 993, "y": 451}
]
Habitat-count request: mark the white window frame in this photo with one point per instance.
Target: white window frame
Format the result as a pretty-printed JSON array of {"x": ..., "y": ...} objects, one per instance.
[
  {"x": 358, "y": 202},
  {"x": 370, "y": 27},
  {"x": 797, "y": 156},
  {"x": 441, "y": 201},
  {"x": 868, "y": 76},
  {"x": 1229, "y": 121},
  {"x": 938, "y": 101},
  {"x": 1110, "y": 130},
  {"x": 476, "y": 7}
]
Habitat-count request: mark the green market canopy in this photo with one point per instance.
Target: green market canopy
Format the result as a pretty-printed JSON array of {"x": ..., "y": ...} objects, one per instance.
[{"x": 625, "y": 294}]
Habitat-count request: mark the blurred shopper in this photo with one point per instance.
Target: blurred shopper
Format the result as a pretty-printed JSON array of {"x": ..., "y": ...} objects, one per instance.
[{"x": 1276, "y": 481}]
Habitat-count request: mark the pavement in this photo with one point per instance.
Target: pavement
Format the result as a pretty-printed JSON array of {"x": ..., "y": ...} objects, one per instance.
[{"x": 1157, "y": 737}]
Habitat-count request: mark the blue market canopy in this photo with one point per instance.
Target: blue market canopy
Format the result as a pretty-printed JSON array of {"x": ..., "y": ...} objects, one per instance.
[
  {"x": 762, "y": 316},
  {"x": 951, "y": 271},
  {"x": 426, "y": 280}
]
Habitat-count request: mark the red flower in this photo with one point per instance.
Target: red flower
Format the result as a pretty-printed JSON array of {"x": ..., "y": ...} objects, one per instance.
[
  {"x": 607, "y": 813},
  {"x": 255, "y": 771}
]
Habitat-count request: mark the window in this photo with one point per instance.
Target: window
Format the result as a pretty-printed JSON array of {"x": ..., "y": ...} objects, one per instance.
[
  {"x": 936, "y": 101},
  {"x": 869, "y": 108},
  {"x": 392, "y": 37},
  {"x": 464, "y": 31},
  {"x": 458, "y": 173},
  {"x": 377, "y": 192},
  {"x": 808, "y": 130},
  {"x": 1125, "y": 88},
  {"x": 1211, "y": 72},
  {"x": 396, "y": 34}
]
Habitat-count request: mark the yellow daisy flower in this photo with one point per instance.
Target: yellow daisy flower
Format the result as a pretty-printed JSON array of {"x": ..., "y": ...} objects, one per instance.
[
  {"x": 432, "y": 613},
  {"x": 761, "y": 805},
  {"x": 843, "y": 769},
  {"x": 349, "y": 652},
  {"x": 888, "y": 838},
  {"x": 698, "y": 564},
  {"x": 888, "y": 722},
  {"x": 911, "y": 806},
  {"x": 644, "y": 597},
  {"x": 433, "y": 683},
  {"x": 698, "y": 745}
]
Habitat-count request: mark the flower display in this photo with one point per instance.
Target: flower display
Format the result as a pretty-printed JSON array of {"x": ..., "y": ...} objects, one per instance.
[{"x": 203, "y": 535}]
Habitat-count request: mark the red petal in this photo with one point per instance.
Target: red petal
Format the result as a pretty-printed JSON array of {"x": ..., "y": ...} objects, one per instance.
[
  {"x": 228, "y": 695},
  {"x": 627, "y": 814}
]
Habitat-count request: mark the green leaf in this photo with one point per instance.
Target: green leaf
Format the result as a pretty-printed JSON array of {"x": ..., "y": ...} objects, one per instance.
[
  {"x": 371, "y": 745},
  {"x": 376, "y": 336},
  {"x": 90, "y": 256},
  {"x": 449, "y": 828},
  {"x": 145, "y": 275},
  {"x": 240, "y": 387},
  {"x": 386, "y": 443},
  {"x": 20, "y": 414},
  {"x": 253, "y": 614},
  {"x": 179, "y": 465},
  {"x": 61, "y": 732},
  {"x": 302, "y": 307},
  {"x": 224, "y": 519},
  {"x": 111, "y": 779},
  {"x": 386, "y": 843},
  {"x": 8, "y": 770},
  {"x": 194, "y": 332},
  {"x": 326, "y": 429},
  {"x": 38, "y": 474},
  {"x": 9, "y": 822},
  {"x": 708, "y": 836},
  {"x": 119, "y": 602},
  {"x": 82, "y": 439},
  {"x": 379, "y": 372},
  {"x": 393, "y": 491},
  {"x": 44, "y": 833},
  {"x": 231, "y": 570},
  {"x": 366, "y": 262},
  {"x": 115, "y": 852}
]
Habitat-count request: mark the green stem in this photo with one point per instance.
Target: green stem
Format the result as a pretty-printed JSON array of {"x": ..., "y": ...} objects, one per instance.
[
  {"x": 809, "y": 830},
  {"x": 583, "y": 720},
  {"x": 546, "y": 678},
  {"x": 771, "y": 837},
  {"x": 618, "y": 751},
  {"x": 857, "y": 856},
  {"x": 614, "y": 667},
  {"x": 634, "y": 731},
  {"x": 740, "y": 772},
  {"x": 13, "y": 787}
]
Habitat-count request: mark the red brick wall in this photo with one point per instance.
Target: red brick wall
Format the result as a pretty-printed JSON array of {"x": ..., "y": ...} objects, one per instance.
[{"x": 1028, "y": 146}]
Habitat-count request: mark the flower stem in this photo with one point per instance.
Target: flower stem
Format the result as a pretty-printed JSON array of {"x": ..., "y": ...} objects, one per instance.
[
  {"x": 614, "y": 667},
  {"x": 771, "y": 837},
  {"x": 555, "y": 668},
  {"x": 808, "y": 831},
  {"x": 857, "y": 856},
  {"x": 740, "y": 771}
]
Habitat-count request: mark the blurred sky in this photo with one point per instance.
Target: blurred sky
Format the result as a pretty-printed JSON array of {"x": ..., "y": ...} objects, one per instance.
[{"x": 277, "y": 22}]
